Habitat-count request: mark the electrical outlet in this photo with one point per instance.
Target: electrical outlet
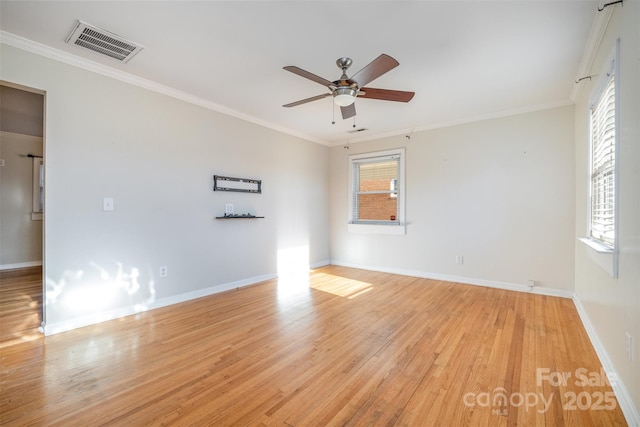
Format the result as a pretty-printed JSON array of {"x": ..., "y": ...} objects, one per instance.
[
  {"x": 629, "y": 345},
  {"x": 163, "y": 271},
  {"x": 459, "y": 259},
  {"x": 107, "y": 204},
  {"x": 228, "y": 208},
  {"x": 531, "y": 283}
]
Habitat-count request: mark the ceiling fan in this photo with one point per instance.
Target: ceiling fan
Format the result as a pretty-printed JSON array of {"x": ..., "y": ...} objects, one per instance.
[{"x": 345, "y": 90}]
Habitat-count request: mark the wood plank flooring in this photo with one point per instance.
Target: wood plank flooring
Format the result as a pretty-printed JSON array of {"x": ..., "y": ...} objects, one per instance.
[
  {"x": 341, "y": 347},
  {"x": 20, "y": 305}
]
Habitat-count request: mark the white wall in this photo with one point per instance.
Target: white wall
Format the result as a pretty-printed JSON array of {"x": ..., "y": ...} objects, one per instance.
[
  {"x": 155, "y": 156},
  {"x": 498, "y": 192},
  {"x": 612, "y": 306}
]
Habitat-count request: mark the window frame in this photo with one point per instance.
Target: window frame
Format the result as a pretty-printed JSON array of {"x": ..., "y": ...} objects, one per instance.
[
  {"x": 604, "y": 253},
  {"x": 378, "y": 227}
]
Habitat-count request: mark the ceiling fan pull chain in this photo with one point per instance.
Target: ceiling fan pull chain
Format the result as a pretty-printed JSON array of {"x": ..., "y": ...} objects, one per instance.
[
  {"x": 354, "y": 121},
  {"x": 333, "y": 122}
]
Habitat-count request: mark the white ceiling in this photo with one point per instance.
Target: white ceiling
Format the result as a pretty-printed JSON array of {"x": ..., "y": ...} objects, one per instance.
[{"x": 465, "y": 60}]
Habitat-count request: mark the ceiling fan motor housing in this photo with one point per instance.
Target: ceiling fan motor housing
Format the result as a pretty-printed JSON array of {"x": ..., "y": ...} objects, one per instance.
[{"x": 346, "y": 90}]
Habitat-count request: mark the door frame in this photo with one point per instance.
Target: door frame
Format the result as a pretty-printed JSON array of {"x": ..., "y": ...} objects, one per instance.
[{"x": 43, "y": 312}]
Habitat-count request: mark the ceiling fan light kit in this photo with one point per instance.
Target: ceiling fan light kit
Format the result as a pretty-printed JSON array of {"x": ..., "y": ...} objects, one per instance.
[
  {"x": 345, "y": 90},
  {"x": 344, "y": 96}
]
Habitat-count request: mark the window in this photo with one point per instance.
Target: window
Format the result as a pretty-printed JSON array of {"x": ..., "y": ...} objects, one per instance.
[
  {"x": 602, "y": 233},
  {"x": 377, "y": 192},
  {"x": 38, "y": 189},
  {"x": 602, "y": 219}
]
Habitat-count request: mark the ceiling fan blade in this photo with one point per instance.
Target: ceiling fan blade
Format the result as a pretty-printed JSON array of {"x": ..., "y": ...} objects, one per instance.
[
  {"x": 304, "y": 101},
  {"x": 308, "y": 75},
  {"x": 386, "y": 94},
  {"x": 348, "y": 111},
  {"x": 375, "y": 69}
]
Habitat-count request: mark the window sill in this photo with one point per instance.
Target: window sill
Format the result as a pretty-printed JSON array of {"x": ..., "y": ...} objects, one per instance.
[
  {"x": 377, "y": 229},
  {"x": 596, "y": 246},
  {"x": 603, "y": 256}
]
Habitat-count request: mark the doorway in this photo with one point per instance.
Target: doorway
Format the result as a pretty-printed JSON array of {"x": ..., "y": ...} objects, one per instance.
[{"x": 22, "y": 113}]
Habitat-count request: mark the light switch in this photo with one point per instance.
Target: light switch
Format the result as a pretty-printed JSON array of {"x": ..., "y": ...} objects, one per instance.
[{"x": 107, "y": 204}]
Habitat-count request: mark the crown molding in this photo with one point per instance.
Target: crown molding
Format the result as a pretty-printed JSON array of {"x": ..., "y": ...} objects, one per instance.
[
  {"x": 596, "y": 34},
  {"x": 86, "y": 64},
  {"x": 463, "y": 121}
]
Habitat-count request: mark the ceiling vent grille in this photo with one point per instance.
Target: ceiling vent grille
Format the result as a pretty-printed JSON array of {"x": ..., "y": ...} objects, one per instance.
[{"x": 103, "y": 42}]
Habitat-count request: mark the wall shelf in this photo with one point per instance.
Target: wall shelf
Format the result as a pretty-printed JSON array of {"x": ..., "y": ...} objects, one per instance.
[{"x": 239, "y": 217}]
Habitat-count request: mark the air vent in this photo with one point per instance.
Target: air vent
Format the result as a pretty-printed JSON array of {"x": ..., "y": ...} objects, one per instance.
[
  {"x": 103, "y": 42},
  {"x": 358, "y": 130}
]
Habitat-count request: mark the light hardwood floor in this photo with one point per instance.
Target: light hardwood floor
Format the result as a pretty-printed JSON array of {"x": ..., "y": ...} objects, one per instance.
[
  {"x": 20, "y": 305},
  {"x": 346, "y": 347}
]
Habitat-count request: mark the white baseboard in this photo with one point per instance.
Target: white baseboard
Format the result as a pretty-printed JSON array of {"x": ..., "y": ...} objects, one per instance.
[
  {"x": 79, "y": 322},
  {"x": 624, "y": 398},
  {"x": 20, "y": 265},
  {"x": 319, "y": 264},
  {"x": 465, "y": 280}
]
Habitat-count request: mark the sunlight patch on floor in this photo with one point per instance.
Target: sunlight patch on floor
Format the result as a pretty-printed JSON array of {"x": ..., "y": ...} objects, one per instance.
[{"x": 340, "y": 286}]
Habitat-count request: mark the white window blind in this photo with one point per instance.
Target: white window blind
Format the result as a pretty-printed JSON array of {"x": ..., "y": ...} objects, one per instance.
[{"x": 603, "y": 160}]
